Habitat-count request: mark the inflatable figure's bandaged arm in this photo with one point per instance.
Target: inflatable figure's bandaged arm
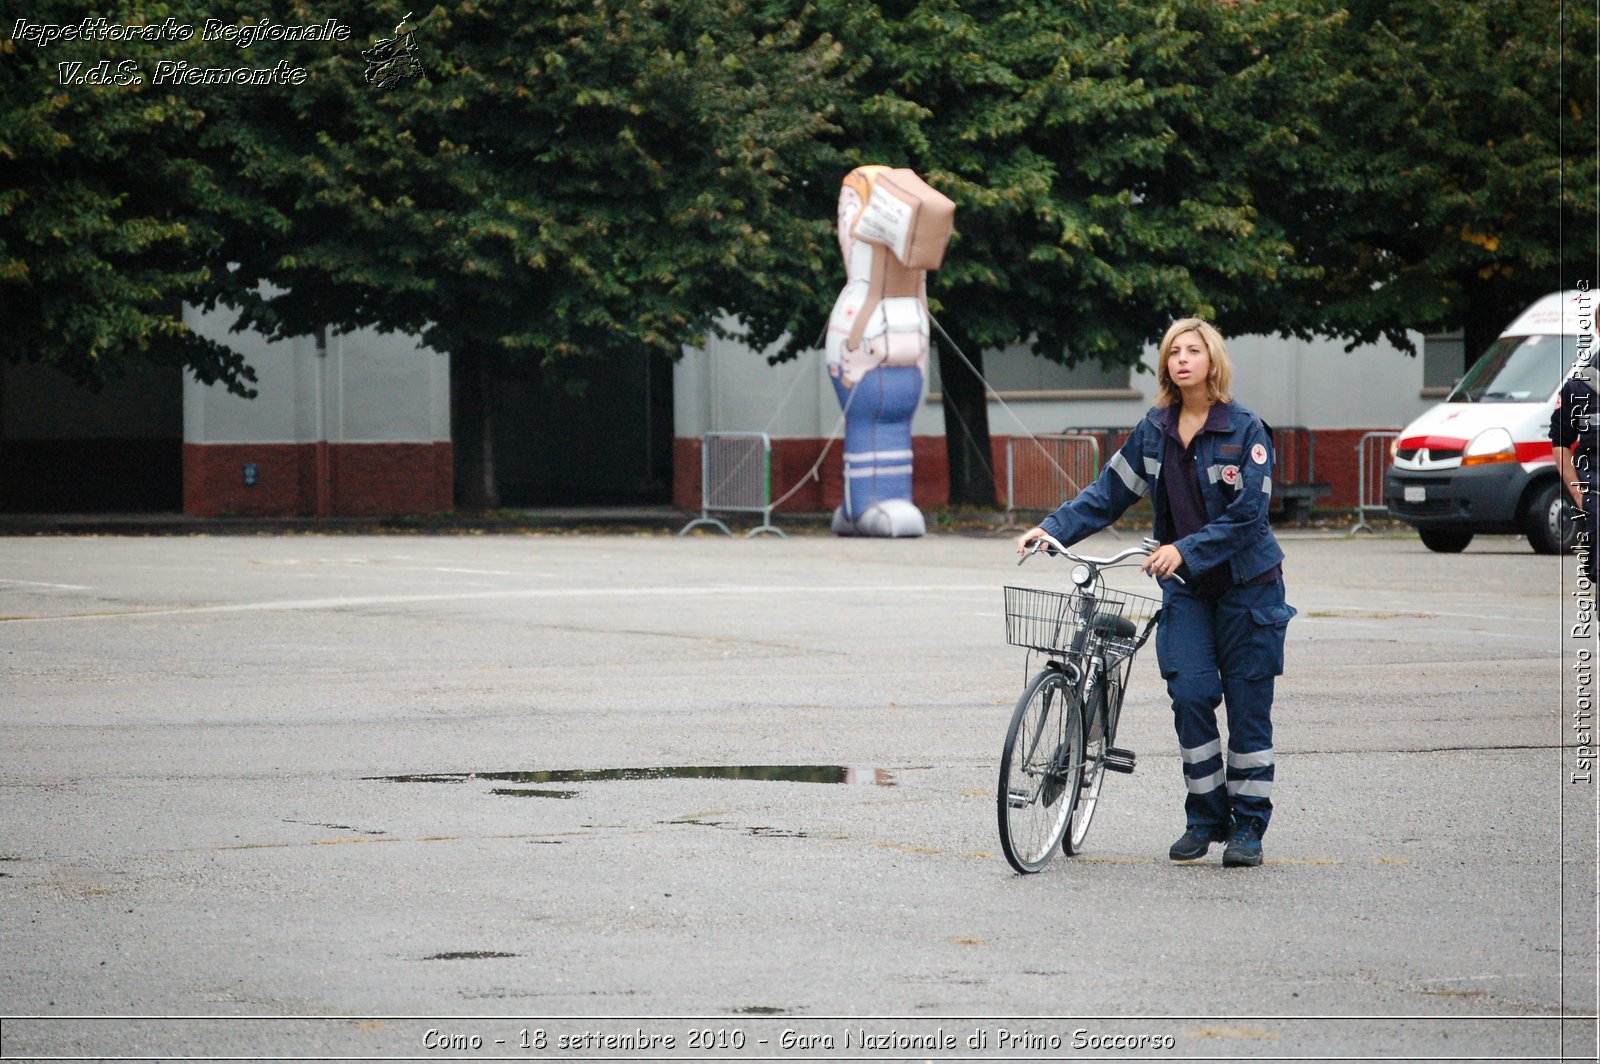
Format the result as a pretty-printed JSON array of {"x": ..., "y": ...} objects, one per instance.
[
  {"x": 907, "y": 215},
  {"x": 908, "y": 223}
]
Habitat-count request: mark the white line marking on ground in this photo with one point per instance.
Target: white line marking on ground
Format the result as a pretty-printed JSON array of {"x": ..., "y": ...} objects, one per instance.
[{"x": 525, "y": 593}]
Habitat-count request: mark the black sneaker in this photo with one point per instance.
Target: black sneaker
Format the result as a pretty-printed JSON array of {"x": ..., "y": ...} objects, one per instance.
[
  {"x": 1195, "y": 842},
  {"x": 1244, "y": 849}
]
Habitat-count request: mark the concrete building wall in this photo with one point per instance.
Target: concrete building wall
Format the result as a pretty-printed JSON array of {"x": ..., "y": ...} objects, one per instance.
[{"x": 356, "y": 425}]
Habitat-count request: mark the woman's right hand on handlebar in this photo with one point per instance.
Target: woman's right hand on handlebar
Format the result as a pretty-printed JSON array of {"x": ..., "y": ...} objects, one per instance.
[{"x": 1028, "y": 538}]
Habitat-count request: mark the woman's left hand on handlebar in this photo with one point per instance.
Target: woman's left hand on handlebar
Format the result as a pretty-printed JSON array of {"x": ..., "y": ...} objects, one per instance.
[{"x": 1163, "y": 561}]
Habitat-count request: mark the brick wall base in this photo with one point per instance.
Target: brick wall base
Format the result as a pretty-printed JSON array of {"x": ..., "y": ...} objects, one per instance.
[
  {"x": 317, "y": 479},
  {"x": 792, "y": 460},
  {"x": 1333, "y": 461}
]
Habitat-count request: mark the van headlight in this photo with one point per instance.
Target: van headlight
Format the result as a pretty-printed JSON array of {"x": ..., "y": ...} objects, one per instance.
[{"x": 1490, "y": 446}]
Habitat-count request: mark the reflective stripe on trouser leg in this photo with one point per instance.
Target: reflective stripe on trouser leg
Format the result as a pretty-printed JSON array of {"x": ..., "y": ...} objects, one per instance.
[
  {"x": 1186, "y": 651},
  {"x": 1250, "y": 777}
]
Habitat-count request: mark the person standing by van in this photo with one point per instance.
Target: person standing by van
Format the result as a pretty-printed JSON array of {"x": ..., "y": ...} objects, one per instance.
[
  {"x": 1206, "y": 463},
  {"x": 1573, "y": 426}
]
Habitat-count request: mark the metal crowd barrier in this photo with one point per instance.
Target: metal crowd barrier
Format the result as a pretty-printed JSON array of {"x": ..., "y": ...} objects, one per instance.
[
  {"x": 1372, "y": 461},
  {"x": 1045, "y": 471},
  {"x": 735, "y": 475}
]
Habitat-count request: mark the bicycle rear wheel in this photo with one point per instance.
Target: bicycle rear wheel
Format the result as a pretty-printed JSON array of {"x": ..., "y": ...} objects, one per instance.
[
  {"x": 1040, "y": 769},
  {"x": 1092, "y": 776}
]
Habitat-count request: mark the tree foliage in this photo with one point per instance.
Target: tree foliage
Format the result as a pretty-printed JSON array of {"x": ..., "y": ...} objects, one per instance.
[
  {"x": 1278, "y": 166},
  {"x": 1450, "y": 176},
  {"x": 107, "y": 218},
  {"x": 576, "y": 178},
  {"x": 1107, "y": 160},
  {"x": 572, "y": 180}
]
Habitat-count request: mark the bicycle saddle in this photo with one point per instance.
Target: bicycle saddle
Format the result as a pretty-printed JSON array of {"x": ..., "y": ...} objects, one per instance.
[{"x": 1109, "y": 624}]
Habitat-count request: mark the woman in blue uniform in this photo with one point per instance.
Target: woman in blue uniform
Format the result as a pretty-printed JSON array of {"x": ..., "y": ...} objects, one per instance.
[{"x": 1206, "y": 463}]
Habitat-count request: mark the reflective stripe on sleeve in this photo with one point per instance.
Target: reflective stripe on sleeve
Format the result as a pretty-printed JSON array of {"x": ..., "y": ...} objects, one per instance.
[{"x": 1133, "y": 481}]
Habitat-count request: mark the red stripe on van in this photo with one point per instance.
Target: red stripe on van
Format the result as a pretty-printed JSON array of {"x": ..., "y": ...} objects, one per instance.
[
  {"x": 1535, "y": 451},
  {"x": 1433, "y": 443}
]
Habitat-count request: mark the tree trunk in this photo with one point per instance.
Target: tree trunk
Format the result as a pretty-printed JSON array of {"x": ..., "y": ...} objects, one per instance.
[
  {"x": 1482, "y": 319},
  {"x": 472, "y": 431},
  {"x": 966, "y": 425}
]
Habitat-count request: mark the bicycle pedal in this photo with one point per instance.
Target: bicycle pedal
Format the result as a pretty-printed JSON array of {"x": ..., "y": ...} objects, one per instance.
[
  {"x": 1017, "y": 799},
  {"x": 1119, "y": 760}
]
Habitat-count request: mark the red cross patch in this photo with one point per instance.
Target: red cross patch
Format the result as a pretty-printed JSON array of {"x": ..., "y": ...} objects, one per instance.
[
  {"x": 1230, "y": 476},
  {"x": 1258, "y": 454}
]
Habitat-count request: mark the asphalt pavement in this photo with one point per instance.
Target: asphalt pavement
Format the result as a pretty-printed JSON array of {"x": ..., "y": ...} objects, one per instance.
[{"x": 633, "y": 796}]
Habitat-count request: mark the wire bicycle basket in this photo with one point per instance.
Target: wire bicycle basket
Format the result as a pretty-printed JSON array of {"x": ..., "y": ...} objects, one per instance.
[{"x": 1077, "y": 622}]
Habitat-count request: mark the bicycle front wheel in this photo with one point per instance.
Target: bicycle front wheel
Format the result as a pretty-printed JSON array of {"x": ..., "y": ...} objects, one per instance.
[{"x": 1040, "y": 770}]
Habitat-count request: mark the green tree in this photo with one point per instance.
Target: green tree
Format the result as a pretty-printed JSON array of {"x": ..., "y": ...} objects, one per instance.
[
  {"x": 1105, "y": 159},
  {"x": 107, "y": 221},
  {"x": 574, "y": 179},
  {"x": 1279, "y": 166},
  {"x": 570, "y": 180},
  {"x": 1449, "y": 178}
]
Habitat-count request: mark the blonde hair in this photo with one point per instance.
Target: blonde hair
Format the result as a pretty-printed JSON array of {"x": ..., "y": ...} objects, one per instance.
[{"x": 1218, "y": 380}]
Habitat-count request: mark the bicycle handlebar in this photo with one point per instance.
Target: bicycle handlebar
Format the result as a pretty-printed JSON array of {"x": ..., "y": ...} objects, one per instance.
[
  {"x": 1047, "y": 542},
  {"x": 1053, "y": 545}
]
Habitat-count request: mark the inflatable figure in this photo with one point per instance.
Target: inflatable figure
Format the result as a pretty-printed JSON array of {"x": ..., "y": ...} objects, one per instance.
[{"x": 893, "y": 228}]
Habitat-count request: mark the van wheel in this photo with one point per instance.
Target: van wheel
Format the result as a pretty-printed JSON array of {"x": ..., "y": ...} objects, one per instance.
[
  {"x": 1548, "y": 521},
  {"x": 1443, "y": 540}
]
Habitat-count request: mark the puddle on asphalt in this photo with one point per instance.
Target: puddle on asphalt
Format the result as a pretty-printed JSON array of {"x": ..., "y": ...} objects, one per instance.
[
  {"x": 533, "y": 792},
  {"x": 876, "y": 777}
]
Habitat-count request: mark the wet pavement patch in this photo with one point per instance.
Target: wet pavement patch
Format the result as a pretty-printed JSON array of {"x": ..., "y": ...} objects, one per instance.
[
  {"x": 877, "y": 777},
  {"x": 760, "y": 831},
  {"x": 337, "y": 827},
  {"x": 518, "y": 792}
]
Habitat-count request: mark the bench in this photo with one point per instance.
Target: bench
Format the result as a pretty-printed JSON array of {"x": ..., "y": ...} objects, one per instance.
[{"x": 1297, "y": 500}]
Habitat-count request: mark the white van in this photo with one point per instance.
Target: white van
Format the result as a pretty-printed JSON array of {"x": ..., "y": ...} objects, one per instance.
[{"x": 1481, "y": 460}]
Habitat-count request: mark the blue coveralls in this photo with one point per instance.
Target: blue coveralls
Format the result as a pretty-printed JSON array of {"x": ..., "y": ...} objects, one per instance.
[
  {"x": 1211, "y": 650},
  {"x": 1574, "y": 423}
]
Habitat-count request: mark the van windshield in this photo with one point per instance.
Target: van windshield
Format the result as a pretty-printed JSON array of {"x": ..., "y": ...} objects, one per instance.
[{"x": 1517, "y": 369}]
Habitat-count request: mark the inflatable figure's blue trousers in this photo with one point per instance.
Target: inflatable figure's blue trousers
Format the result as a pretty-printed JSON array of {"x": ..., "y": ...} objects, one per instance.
[{"x": 877, "y": 453}]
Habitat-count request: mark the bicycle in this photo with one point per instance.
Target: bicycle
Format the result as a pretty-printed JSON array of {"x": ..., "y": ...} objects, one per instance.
[{"x": 1062, "y": 734}]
